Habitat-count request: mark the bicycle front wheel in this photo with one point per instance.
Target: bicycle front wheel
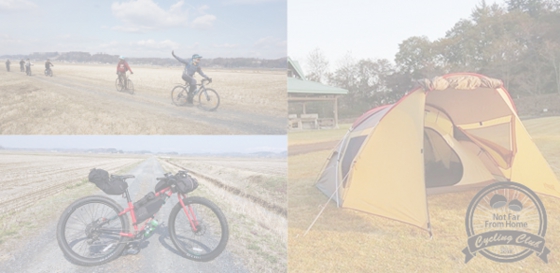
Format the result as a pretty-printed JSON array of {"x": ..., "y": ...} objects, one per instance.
[
  {"x": 119, "y": 84},
  {"x": 203, "y": 238},
  {"x": 130, "y": 87},
  {"x": 88, "y": 231},
  {"x": 208, "y": 99},
  {"x": 179, "y": 95}
]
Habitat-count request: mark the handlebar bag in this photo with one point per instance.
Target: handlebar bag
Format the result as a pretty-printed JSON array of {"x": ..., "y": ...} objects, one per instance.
[{"x": 185, "y": 183}]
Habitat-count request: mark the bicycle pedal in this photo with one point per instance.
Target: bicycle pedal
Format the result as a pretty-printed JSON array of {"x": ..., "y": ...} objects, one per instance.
[{"x": 132, "y": 249}]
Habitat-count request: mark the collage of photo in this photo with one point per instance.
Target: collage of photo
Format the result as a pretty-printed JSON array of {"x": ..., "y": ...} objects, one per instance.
[{"x": 259, "y": 136}]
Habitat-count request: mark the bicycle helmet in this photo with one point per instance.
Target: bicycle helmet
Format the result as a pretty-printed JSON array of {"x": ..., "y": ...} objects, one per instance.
[
  {"x": 121, "y": 57},
  {"x": 196, "y": 56}
]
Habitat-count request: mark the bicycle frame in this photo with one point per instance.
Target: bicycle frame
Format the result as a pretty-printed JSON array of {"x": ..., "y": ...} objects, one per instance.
[
  {"x": 167, "y": 191},
  {"x": 200, "y": 88}
]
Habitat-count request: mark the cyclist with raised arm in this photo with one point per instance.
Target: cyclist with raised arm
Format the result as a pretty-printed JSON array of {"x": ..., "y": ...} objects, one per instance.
[
  {"x": 191, "y": 67},
  {"x": 48, "y": 65},
  {"x": 122, "y": 67}
]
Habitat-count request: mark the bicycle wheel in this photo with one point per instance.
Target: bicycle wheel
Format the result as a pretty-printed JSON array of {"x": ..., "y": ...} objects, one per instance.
[
  {"x": 119, "y": 85},
  {"x": 208, "y": 99},
  {"x": 130, "y": 86},
  {"x": 211, "y": 234},
  {"x": 88, "y": 231},
  {"x": 179, "y": 95}
]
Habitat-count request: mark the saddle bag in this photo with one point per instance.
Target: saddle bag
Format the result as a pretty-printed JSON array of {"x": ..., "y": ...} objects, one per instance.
[
  {"x": 111, "y": 186},
  {"x": 148, "y": 206}
]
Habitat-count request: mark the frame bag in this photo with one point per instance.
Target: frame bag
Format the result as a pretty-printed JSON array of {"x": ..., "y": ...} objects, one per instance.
[{"x": 148, "y": 206}]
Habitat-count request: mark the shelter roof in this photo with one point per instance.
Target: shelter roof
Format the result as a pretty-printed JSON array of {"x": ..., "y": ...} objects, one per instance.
[{"x": 297, "y": 86}]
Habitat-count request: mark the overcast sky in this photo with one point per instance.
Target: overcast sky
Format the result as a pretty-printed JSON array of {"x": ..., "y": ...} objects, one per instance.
[
  {"x": 180, "y": 144},
  {"x": 368, "y": 29},
  {"x": 145, "y": 28}
]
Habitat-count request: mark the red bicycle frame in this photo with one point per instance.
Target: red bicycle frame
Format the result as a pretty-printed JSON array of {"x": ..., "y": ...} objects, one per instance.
[{"x": 167, "y": 191}]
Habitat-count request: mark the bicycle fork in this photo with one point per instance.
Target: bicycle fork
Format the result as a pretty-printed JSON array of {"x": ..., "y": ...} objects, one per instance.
[{"x": 190, "y": 215}]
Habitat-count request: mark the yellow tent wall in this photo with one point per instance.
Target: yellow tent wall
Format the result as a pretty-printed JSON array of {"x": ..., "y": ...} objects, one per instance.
[{"x": 387, "y": 174}]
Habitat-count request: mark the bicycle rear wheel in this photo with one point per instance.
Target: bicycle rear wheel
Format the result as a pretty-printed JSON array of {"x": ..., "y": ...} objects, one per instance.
[
  {"x": 88, "y": 231},
  {"x": 208, "y": 238},
  {"x": 130, "y": 87},
  {"x": 119, "y": 85},
  {"x": 179, "y": 95},
  {"x": 208, "y": 99}
]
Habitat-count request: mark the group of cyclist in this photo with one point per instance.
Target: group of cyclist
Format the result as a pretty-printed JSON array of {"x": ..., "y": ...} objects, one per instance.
[
  {"x": 25, "y": 66},
  {"x": 192, "y": 66}
]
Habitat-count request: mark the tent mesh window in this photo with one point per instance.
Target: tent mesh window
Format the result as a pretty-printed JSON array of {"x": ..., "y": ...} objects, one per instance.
[
  {"x": 352, "y": 149},
  {"x": 442, "y": 165}
]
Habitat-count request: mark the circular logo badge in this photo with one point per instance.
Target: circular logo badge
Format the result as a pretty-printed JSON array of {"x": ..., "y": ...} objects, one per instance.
[{"x": 506, "y": 222}]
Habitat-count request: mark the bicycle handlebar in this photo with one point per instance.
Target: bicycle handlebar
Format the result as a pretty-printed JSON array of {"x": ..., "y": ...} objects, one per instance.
[{"x": 170, "y": 175}]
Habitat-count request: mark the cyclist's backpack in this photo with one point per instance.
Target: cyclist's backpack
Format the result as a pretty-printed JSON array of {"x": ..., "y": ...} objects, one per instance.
[
  {"x": 185, "y": 182},
  {"x": 111, "y": 186},
  {"x": 148, "y": 206}
]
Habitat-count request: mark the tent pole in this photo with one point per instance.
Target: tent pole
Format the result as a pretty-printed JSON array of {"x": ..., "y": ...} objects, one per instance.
[
  {"x": 338, "y": 162},
  {"x": 323, "y": 209},
  {"x": 336, "y": 112}
]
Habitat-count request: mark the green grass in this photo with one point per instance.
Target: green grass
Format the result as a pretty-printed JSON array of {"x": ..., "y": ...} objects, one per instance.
[
  {"x": 344, "y": 240},
  {"x": 315, "y": 136}
]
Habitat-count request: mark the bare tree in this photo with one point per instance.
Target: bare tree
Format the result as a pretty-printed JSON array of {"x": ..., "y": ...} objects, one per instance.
[{"x": 318, "y": 66}]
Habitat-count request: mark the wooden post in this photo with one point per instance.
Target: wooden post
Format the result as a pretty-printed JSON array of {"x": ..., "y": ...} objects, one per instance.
[{"x": 336, "y": 112}]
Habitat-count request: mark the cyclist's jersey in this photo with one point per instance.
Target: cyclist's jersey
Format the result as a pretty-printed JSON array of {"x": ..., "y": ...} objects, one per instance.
[
  {"x": 191, "y": 68},
  {"x": 48, "y": 65},
  {"x": 122, "y": 67}
]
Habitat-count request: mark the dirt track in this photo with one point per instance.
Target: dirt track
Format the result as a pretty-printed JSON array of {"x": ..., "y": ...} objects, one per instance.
[{"x": 83, "y": 100}]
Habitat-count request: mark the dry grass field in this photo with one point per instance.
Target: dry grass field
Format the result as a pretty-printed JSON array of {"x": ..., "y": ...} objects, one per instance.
[
  {"x": 37, "y": 186},
  {"x": 349, "y": 241},
  {"x": 82, "y": 99},
  {"x": 255, "y": 231}
]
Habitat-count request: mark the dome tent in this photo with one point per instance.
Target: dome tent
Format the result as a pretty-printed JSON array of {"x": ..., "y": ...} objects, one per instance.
[{"x": 455, "y": 132}]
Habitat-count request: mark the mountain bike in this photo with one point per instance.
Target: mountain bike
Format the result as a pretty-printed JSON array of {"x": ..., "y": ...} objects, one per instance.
[
  {"x": 48, "y": 72},
  {"x": 208, "y": 99},
  {"x": 95, "y": 229},
  {"x": 121, "y": 87}
]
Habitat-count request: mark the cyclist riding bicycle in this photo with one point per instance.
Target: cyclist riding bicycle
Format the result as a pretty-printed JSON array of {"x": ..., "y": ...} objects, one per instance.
[
  {"x": 28, "y": 65},
  {"x": 122, "y": 67},
  {"x": 48, "y": 65},
  {"x": 191, "y": 67},
  {"x": 21, "y": 63}
]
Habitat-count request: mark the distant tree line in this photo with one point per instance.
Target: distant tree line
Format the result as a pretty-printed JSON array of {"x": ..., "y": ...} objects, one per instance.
[
  {"x": 517, "y": 42},
  {"x": 85, "y": 57}
]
